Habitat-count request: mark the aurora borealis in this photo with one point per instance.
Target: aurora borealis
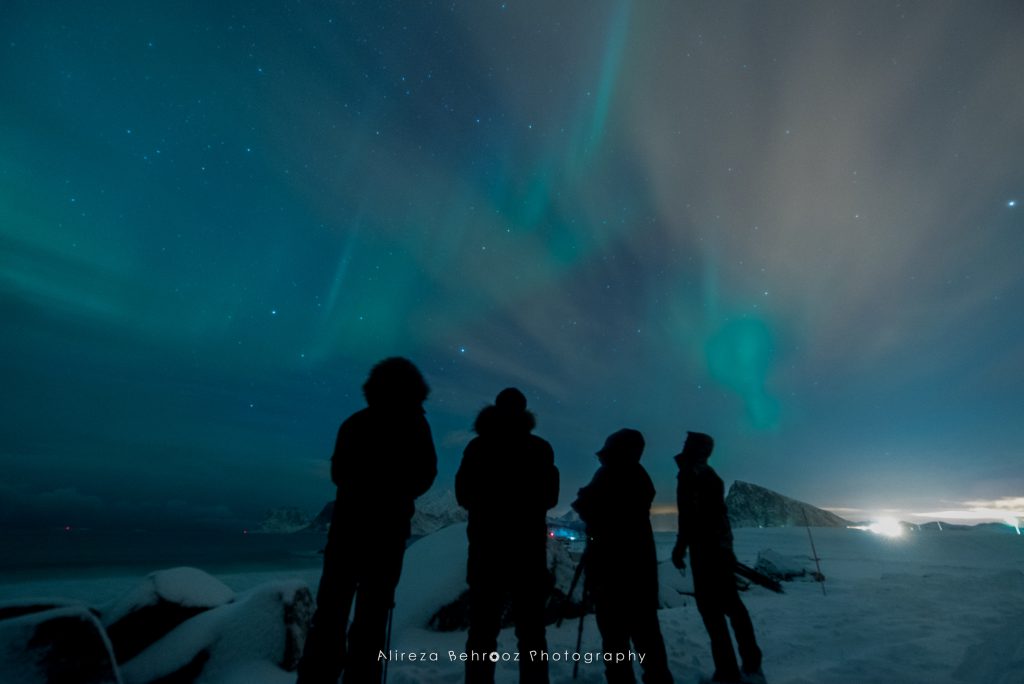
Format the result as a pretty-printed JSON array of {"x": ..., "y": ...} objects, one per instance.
[{"x": 791, "y": 225}]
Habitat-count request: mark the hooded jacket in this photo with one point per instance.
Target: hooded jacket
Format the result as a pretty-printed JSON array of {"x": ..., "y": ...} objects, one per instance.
[
  {"x": 703, "y": 517},
  {"x": 616, "y": 507},
  {"x": 383, "y": 459},
  {"x": 507, "y": 480}
]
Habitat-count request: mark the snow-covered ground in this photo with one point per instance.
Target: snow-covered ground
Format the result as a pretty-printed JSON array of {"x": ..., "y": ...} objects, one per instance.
[{"x": 930, "y": 607}]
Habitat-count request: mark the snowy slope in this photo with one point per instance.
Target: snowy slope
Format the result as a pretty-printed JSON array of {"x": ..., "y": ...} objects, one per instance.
[{"x": 928, "y": 608}]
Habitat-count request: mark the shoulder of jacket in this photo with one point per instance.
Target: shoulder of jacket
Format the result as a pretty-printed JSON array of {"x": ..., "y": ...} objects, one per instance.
[
  {"x": 643, "y": 474},
  {"x": 541, "y": 445},
  {"x": 602, "y": 476},
  {"x": 364, "y": 413},
  {"x": 357, "y": 418},
  {"x": 475, "y": 447}
]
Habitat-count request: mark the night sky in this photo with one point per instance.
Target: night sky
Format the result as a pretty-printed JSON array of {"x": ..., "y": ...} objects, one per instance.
[{"x": 795, "y": 226}]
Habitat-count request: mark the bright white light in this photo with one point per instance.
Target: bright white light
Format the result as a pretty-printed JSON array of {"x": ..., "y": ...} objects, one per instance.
[
  {"x": 1013, "y": 522},
  {"x": 887, "y": 527},
  {"x": 1011, "y": 203}
]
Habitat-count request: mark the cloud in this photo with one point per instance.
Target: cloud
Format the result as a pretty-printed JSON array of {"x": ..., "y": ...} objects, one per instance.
[
  {"x": 68, "y": 497},
  {"x": 845, "y": 510},
  {"x": 1004, "y": 503},
  {"x": 1005, "y": 509}
]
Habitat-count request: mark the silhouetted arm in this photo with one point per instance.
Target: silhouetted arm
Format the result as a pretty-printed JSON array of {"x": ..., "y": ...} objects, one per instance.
[
  {"x": 424, "y": 466},
  {"x": 341, "y": 459},
  {"x": 551, "y": 479},
  {"x": 466, "y": 477},
  {"x": 646, "y": 491},
  {"x": 552, "y": 488},
  {"x": 588, "y": 501},
  {"x": 683, "y": 507},
  {"x": 715, "y": 513}
]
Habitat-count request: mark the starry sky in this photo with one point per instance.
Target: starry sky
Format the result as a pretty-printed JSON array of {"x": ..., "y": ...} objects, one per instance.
[{"x": 793, "y": 225}]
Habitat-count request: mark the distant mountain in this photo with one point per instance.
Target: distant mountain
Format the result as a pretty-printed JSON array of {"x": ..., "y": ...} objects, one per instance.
[
  {"x": 569, "y": 519},
  {"x": 322, "y": 521},
  {"x": 753, "y": 506},
  {"x": 999, "y": 527},
  {"x": 434, "y": 511},
  {"x": 285, "y": 519},
  {"x": 937, "y": 526}
]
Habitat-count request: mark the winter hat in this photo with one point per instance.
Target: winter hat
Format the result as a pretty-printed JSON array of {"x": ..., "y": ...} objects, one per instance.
[
  {"x": 626, "y": 443},
  {"x": 698, "y": 445},
  {"x": 395, "y": 380},
  {"x": 510, "y": 400}
]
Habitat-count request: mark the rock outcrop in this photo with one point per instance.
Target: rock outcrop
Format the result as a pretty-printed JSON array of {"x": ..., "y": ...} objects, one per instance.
[
  {"x": 164, "y": 600},
  {"x": 265, "y": 624},
  {"x": 63, "y": 644},
  {"x": 177, "y": 626},
  {"x": 753, "y": 506}
]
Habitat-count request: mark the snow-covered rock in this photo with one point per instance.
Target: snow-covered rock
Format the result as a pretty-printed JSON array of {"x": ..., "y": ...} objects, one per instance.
[
  {"x": 753, "y": 506},
  {"x": 264, "y": 628},
  {"x": 65, "y": 644},
  {"x": 284, "y": 520},
  {"x": 161, "y": 602},
  {"x": 783, "y": 568},
  {"x": 435, "y": 511},
  {"x": 420, "y": 594}
]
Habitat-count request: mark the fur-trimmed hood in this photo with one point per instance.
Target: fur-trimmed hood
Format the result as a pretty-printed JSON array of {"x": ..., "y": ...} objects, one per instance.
[{"x": 493, "y": 420}]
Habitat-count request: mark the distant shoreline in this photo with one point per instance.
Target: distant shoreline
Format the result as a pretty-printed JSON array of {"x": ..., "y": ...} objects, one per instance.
[{"x": 26, "y": 556}]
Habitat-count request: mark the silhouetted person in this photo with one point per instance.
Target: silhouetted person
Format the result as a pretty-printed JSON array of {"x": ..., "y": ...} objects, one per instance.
[
  {"x": 383, "y": 459},
  {"x": 704, "y": 529},
  {"x": 621, "y": 563},
  {"x": 507, "y": 481}
]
